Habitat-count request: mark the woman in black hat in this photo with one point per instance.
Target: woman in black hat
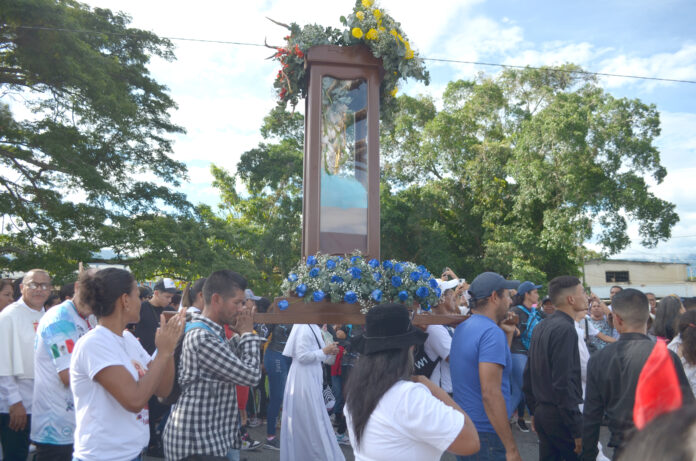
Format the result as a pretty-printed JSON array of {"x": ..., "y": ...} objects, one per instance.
[{"x": 392, "y": 414}]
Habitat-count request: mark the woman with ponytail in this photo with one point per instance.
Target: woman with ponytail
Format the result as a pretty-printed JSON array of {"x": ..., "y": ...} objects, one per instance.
[{"x": 111, "y": 376}]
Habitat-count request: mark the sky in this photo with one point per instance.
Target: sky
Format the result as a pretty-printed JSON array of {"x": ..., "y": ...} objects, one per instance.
[{"x": 224, "y": 91}]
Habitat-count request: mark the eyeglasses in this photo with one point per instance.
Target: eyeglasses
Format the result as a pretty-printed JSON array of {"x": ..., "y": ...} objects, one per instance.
[{"x": 37, "y": 286}]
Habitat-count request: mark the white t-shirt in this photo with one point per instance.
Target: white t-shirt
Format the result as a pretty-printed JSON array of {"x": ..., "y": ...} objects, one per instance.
[
  {"x": 438, "y": 344},
  {"x": 407, "y": 424},
  {"x": 53, "y": 419},
  {"x": 105, "y": 430},
  {"x": 18, "y": 323}
]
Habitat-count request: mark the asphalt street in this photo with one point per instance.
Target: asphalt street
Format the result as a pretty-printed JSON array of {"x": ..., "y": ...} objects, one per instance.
[{"x": 527, "y": 443}]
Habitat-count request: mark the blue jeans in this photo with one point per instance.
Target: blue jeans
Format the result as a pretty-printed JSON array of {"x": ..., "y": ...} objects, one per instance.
[
  {"x": 233, "y": 454},
  {"x": 337, "y": 388},
  {"x": 516, "y": 379},
  {"x": 277, "y": 366},
  {"x": 492, "y": 449}
]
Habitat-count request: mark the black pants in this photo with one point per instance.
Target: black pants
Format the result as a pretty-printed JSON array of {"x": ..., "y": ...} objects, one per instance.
[
  {"x": 47, "y": 452},
  {"x": 15, "y": 444},
  {"x": 555, "y": 441}
]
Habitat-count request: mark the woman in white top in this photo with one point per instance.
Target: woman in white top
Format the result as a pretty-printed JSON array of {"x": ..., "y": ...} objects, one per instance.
[
  {"x": 111, "y": 375},
  {"x": 684, "y": 345},
  {"x": 392, "y": 415}
]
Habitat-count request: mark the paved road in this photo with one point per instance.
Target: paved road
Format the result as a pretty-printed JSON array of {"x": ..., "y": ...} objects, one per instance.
[{"x": 526, "y": 442}]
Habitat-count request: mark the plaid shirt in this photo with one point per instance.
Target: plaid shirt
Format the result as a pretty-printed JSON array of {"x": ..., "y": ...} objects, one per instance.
[{"x": 204, "y": 419}]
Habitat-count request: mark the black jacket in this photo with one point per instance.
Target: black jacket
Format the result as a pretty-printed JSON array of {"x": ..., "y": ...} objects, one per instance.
[
  {"x": 552, "y": 375},
  {"x": 612, "y": 377}
]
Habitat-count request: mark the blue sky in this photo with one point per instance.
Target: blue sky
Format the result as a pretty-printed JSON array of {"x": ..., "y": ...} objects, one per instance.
[{"x": 224, "y": 91}]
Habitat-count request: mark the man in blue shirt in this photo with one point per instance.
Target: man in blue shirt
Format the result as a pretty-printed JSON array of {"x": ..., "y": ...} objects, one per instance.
[{"x": 480, "y": 364}]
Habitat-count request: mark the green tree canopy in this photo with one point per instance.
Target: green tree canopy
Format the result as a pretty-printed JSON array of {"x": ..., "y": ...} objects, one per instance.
[{"x": 84, "y": 133}]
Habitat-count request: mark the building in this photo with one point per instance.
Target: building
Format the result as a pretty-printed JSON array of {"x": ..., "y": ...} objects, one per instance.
[{"x": 661, "y": 278}]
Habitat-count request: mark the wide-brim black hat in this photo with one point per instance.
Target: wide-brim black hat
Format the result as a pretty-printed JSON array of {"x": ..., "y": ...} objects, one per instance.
[{"x": 388, "y": 327}]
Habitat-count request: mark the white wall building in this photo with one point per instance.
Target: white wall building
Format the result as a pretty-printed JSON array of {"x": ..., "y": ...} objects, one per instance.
[{"x": 660, "y": 278}]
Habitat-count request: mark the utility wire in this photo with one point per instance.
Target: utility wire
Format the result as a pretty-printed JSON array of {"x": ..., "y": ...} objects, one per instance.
[{"x": 455, "y": 61}]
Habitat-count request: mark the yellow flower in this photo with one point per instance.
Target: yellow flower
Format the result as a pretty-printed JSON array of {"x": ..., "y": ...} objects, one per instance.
[
  {"x": 393, "y": 32},
  {"x": 377, "y": 13},
  {"x": 409, "y": 54},
  {"x": 360, "y": 15},
  {"x": 367, "y": 3},
  {"x": 357, "y": 32},
  {"x": 371, "y": 34},
  {"x": 382, "y": 29},
  {"x": 394, "y": 91}
]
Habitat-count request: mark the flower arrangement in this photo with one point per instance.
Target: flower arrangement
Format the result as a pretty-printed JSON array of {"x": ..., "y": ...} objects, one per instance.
[
  {"x": 367, "y": 25},
  {"x": 353, "y": 279}
]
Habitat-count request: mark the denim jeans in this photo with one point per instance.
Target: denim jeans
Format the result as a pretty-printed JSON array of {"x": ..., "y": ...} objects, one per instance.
[
  {"x": 492, "y": 449},
  {"x": 516, "y": 379},
  {"x": 337, "y": 389},
  {"x": 137, "y": 458},
  {"x": 233, "y": 454},
  {"x": 277, "y": 366}
]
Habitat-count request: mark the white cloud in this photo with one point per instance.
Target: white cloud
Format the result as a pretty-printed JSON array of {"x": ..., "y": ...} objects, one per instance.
[{"x": 680, "y": 65}]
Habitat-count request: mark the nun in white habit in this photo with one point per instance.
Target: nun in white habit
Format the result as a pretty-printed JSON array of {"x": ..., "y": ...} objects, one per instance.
[{"x": 306, "y": 432}]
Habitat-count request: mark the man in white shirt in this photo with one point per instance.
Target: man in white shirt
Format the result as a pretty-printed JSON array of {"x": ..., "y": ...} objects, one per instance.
[
  {"x": 53, "y": 420},
  {"x": 18, "y": 323}
]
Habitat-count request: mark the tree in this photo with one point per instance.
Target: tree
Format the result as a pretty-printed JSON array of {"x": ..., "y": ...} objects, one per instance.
[
  {"x": 540, "y": 157},
  {"x": 93, "y": 155},
  {"x": 270, "y": 210}
]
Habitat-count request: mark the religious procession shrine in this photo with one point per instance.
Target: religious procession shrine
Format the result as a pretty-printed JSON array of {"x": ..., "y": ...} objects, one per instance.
[{"x": 348, "y": 80}]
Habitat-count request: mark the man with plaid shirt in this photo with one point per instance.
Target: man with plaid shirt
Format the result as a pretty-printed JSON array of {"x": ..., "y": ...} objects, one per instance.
[{"x": 204, "y": 420}]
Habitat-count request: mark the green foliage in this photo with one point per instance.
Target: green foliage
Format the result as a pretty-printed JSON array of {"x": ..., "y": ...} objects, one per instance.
[{"x": 92, "y": 158}]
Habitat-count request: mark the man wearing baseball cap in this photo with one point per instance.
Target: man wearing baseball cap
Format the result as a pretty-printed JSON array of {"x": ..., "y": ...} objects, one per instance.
[
  {"x": 145, "y": 330},
  {"x": 480, "y": 365}
]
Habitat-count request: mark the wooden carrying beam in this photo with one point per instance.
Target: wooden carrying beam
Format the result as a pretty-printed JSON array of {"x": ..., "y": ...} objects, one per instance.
[{"x": 299, "y": 311}]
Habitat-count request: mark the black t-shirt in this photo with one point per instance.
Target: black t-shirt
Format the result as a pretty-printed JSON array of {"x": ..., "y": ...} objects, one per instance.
[{"x": 149, "y": 322}]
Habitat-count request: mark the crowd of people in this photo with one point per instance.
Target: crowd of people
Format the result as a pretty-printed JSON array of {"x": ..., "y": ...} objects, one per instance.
[{"x": 114, "y": 370}]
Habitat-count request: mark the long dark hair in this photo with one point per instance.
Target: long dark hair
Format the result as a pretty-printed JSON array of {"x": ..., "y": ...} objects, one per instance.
[
  {"x": 667, "y": 316},
  {"x": 687, "y": 331},
  {"x": 372, "y": 376}
]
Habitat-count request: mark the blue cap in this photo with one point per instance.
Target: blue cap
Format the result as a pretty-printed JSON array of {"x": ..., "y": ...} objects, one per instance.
[
  {"x": 485, "y": 284},
  {"x": 526, "y": 287}
]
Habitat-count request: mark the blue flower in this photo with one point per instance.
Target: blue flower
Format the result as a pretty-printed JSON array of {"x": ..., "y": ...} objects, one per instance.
[
  {"x": 340, "y": 258},
  {"x": 398, "y": 268},
  {"x": 387, "y": 264},
  {"x": 377, "y": 276},
  {"x": 350, "y": 297},
  {"x": 318, "y": 296},
  {"x": 354, "y": 259},
  {"x": 301, "y": 289},
  {"x": 373, "y": 263},
  {"x": 438, "y": 292},
  {"x": 283, "y": 304},
  {"x": 433, "y": 283},
  {"x": 415, "y": 276},
  {"x": 377, "y": 295},
  {"x": 292, "y": 277},
  {"x": 425, "y": 275},
  {"x": 422, "y": 292},
  {"x": 355, "y": 272},
  {"x": 396, "y": 281},
  {"x": 422, "y": 269},
  {"x": 336, "y": 279},
  {"x": 403, "y": 295},
  {"x": 426, "y": 308},
  {"x": 331, "y": 264},
  {"x": 311, "y": 261},
  {"x": 314, "y": 272}
]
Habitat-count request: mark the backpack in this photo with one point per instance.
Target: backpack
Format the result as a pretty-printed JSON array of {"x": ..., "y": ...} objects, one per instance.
[
  {"x": 175, "y": 393},
  {"x": 533, "y": 318}
]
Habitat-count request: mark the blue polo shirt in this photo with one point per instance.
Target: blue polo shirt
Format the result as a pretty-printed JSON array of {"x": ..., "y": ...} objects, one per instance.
[{"x": 478, "y": 340}]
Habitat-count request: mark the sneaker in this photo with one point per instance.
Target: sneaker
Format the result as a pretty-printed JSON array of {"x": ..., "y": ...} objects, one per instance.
[
  {"x": 273, "y": 444},
  {"x": 254, "y": 422},
  {"x": 343, "y": 439},
  {"x": 249, "y": 444},
  {"x": 522, "y": 425}
]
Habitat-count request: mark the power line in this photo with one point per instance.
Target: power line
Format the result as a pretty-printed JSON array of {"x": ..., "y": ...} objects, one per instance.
[{"x": 455, "y": 61}]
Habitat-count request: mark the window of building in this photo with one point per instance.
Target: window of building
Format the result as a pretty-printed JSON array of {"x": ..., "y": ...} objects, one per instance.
[{"x": 617, "y": 276}]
